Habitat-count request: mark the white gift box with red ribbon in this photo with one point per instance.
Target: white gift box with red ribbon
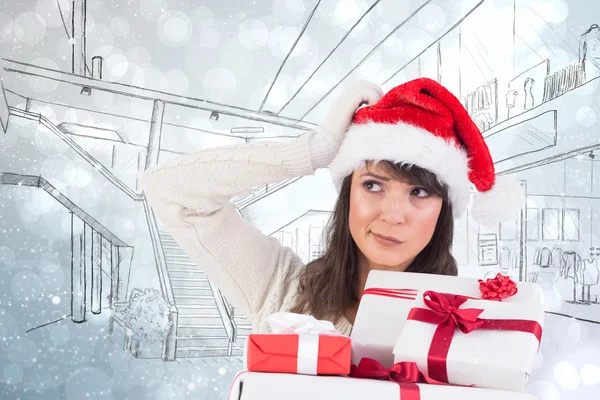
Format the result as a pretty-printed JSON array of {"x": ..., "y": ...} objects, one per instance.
[
  {"x": 270, "y": 386},
  {"x": 483, "y": 357}
]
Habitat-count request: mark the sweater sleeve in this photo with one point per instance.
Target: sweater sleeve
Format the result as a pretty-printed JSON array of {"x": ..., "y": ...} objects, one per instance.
[{"x": 191, "y": 196}]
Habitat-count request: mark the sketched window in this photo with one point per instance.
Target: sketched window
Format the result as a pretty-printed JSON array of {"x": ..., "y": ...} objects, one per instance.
[
  {"x": 533, "y": 224},
  {"x": 285, "y": 238},
  {"x": 550, "y": 223},
  {"x": 315, "y": 238},
  {"x": 571, "y": 225},
  {"x": 509, "y": 230}
]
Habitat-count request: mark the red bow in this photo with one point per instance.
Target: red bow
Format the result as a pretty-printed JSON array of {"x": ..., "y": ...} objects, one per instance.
[
  {"x": 406, "y": 374},
  {"x": 444, "y": 311},
  {"x": 447, "y": 311},
  {"x": 402, "y": 372}
]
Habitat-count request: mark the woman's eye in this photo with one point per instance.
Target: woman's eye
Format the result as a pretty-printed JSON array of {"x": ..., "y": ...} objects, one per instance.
[
  {"x": 371, "y": 186},
  {"x": 420, "y": 192}
]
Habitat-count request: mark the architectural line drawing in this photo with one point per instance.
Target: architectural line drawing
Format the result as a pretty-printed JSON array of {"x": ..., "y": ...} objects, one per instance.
[
  {"x": 483, "y": 74},
  {"x": 41, "y": 183},
  {"x": 544, "y": 139},
  {"x": 305, "y": 234},
  {"x": 184, "y": 337},
  {"x": 533, "y": 11},
  {"x": 323, "y": 212},
  {"x": 4, "y": 112},
  {"x": 563, "y": 80},
  {"x": 258, "y": 193},
  {"x": 583, "y": 45},
  {"x": 481, "y": 50},
  {"x": 289, "y": 53},
  {"x": 149, "y": 94},
  {"x": 83, "y": 117},
  {"x": 575, "y": 318},
  {"x": 93, "y": 162},
  {"x": 482, "y": 105},
  {"x": 236, "y": 132},
  {"x": 365, "y": 58},
  {"x": 457, "y": 24},
  {"x": 87, "y": 237},
  {"x": 517, "y": 89},
  {"x": 46, "y": 324},
  {"x": 333, "y": 50}
]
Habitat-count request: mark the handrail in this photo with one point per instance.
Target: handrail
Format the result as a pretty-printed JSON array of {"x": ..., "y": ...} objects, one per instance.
[
  {"x": 112, "y": 178},
  {"x": 159, "y": 255},
  {"x": 230, "y": 312},
  {"x": 21, "y": 68},
  {"x": 8, "y": 178},
  {"x": 244, "y": 201},
  {"x": 226, "y": 317},
  {"x": 161, "y": 263}
]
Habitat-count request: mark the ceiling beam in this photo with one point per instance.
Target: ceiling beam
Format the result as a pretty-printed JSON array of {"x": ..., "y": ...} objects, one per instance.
[{"x": 11, "y": 67}]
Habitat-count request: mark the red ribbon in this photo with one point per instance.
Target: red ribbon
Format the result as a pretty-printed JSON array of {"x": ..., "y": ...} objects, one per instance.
[
  {"x": 406, "y": 374},
  {"x": 444, "y": 311},
  {"x": 407, "y": 294}
]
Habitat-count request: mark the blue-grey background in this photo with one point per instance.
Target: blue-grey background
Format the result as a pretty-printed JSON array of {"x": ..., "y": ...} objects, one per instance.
[{"x": 96, "y": 91}]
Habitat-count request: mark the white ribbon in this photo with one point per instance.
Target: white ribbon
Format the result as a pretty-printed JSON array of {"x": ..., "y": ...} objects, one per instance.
[
  {"x": 308, "y": 329},
  {"x": 308, "y": 354}
]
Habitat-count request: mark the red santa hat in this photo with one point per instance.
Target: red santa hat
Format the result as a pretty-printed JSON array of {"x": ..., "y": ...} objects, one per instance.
[{"x": 421, "y": 123}]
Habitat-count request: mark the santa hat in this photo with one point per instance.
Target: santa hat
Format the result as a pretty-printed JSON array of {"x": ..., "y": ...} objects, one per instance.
[{"x": 421, "y": 123}]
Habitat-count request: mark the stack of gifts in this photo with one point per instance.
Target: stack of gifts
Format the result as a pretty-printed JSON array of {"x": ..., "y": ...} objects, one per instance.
[{"x": 416, "y": 337}]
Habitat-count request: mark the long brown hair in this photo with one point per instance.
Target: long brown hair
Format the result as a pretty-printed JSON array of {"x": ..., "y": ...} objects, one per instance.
[{"x": 328, "y": 284}]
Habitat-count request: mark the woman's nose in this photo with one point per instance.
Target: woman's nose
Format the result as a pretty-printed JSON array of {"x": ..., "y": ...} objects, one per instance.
[{"x": 393, "y": 209}]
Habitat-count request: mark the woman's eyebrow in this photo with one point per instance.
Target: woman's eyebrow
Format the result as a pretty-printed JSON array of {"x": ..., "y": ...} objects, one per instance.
[{"x": 383, "y": 178}]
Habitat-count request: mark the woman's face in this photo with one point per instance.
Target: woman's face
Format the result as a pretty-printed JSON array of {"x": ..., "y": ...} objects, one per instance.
[{"x": 390, "y": 221}]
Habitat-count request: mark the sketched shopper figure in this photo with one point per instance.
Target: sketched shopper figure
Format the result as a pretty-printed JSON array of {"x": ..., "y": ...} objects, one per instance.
[{"x": 401, "y": 167}]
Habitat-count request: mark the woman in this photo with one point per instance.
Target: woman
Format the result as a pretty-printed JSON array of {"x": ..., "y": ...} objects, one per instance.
[{"x": 403, "y": 167}]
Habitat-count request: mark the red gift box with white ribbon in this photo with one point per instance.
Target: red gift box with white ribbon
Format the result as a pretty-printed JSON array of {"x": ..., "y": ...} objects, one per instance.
[{"x": 299, "y": 344}]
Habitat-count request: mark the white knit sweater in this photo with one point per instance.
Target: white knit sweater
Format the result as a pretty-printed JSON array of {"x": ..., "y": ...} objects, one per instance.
[{"x": 191, "y": 195}]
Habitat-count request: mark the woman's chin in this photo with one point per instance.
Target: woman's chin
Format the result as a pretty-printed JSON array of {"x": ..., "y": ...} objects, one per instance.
[{"x": 387, "y": 264}]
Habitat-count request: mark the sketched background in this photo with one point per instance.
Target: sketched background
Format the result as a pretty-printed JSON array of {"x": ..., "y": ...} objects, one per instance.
[{"x": 96, "y": 91}]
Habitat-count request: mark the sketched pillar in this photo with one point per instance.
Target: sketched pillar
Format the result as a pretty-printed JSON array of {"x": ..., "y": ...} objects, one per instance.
[
  {"x": 114, "y": 273},
  {"x": 522, "y": 223},
  {"x": 77, "y": 269},
  {"x": 96, "y": 273},
  {"x": 155, "y": 131},
  {"x": 78, "y": 35},
  {"x": 87, "y": 262},
  {"x": 97, "y": 64},
  {"x": 120, "y": 267},
  {"x": 4, "y": 110}
]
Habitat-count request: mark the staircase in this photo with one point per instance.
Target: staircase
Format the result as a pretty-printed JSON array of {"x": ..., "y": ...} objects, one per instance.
[{"x": 205, "y": 327}]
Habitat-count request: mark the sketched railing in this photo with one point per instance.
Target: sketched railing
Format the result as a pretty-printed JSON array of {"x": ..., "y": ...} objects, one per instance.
[
  {"x": 169, "y": 345},
  {"x": 226, "y": 312},
  {"x": 117, "y": 286},
  {"x": 261, "y": 192}
]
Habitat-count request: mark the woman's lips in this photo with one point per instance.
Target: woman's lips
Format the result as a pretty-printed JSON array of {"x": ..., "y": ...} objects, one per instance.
[{"x": 386, "y": 240}]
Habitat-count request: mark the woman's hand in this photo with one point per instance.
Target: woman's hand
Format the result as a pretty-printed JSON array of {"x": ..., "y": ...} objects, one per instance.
[{"x": 338, "y": 120}]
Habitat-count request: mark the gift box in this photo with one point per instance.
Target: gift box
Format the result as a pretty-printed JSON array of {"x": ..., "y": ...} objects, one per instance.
[
  {"x": 299, "y": 344},
  {"x": 497, "y": 355},
  {"x": 269, "y": 386},
  {"x": 302, "y": 354}
]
